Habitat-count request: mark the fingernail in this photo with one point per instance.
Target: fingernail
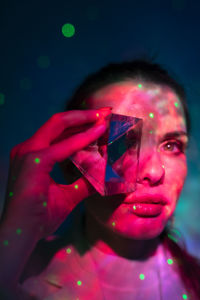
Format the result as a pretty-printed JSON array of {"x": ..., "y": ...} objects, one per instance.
[{"x": 104, "y": 111}]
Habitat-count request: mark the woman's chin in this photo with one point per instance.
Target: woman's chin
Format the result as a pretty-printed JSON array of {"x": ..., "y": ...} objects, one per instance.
[{"x": 138, "y": 233}]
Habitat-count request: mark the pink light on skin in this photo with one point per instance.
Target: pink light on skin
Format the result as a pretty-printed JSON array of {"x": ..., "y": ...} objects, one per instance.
[
  {"x": 61, "y": 255},
  {"x": 157, "y": 150}
]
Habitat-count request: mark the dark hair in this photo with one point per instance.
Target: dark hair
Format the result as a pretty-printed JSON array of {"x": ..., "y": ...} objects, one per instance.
[
  {"x": 137, "y": 69},
  {"x": 145, "y": 70}
]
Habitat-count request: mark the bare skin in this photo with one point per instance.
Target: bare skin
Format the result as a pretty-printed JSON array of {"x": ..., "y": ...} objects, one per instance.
[
  {"x": 39, "y": 205},
  {"x": 162, "y": 170}
]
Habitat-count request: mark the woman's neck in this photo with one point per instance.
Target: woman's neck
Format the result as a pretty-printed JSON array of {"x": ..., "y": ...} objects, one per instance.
[{"x": 115, "y": 244}]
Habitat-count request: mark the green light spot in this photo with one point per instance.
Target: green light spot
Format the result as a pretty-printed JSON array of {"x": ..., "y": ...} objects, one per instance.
[
  {"x": 172, "y": 238},
  {"x": 83, "y": 104},
  {"x": 68, "y": 250},
  {"x": 170, "y": 261},
  {"x": 140, "y": 85},
  {"x": 18, "y": 231},
  {"x": 25, "y": 84},
  {"x": 68, "y": 30},
  {"x": 5, "y": 243},
  {"x": 113, "y": 223},
  {"x": 43, "y": 62},
  {"x": 184, "y": 296},
  {"x": 142, "y": 277},
  {"x": 44, "y": 203},
  {"x": 10, "y": 194},
  {"x": 2, "y": 99},
  {"x": 176, "y": 232},
  {"x": 151, "y": 115},
  {"x": 76, "y": 186},
  {"x": 37, "y": 160},
  {"x": 151, "y": 131},
  {"x": 92, "y": 13},
  {"x": 176, "y": 104},
  {"x": 134, "y": 207},
  {"x": 79, "y": 282}
]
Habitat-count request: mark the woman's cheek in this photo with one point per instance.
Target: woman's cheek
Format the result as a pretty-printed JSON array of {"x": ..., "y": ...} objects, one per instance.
[{"x": 175, "y": 174}]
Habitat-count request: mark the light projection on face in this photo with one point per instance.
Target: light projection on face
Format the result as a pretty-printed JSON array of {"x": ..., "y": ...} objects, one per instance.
[{"x": 162, "y": 160}]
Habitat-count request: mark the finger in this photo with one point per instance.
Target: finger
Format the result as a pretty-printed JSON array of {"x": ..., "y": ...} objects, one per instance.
[
  {"x": 61, "y": 151},
  {"x": 59, "y": 122}
]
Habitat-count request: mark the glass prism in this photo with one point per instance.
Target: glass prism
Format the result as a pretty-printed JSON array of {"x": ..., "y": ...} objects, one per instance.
[{"x": 110, "y": 164}]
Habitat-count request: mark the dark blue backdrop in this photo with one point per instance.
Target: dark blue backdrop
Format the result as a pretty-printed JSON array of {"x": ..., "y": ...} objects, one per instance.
[{"x": 40, "y": 68}]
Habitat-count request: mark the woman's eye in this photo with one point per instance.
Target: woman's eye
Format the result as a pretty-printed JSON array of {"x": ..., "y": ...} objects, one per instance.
[{"x": 173, "y": 147}]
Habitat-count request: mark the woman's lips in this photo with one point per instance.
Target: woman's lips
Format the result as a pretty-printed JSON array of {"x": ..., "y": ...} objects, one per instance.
[
  {"x": 146, "y": 205},
  {"x": 146, "y": 198},
  {"x": 145, "y": 210}
]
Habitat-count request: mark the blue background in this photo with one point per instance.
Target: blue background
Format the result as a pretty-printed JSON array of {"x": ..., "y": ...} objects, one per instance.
[{"x": 106, "y": 31}]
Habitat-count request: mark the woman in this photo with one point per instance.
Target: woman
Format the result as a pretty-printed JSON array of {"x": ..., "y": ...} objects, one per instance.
[{"x": 119, "y": 246}]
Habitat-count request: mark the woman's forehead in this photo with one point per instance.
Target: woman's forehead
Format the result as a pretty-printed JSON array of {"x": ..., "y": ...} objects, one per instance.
[{"x": 155, "y": 104}]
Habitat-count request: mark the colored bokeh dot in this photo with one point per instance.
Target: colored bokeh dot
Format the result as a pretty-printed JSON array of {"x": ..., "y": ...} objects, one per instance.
[
  {"x": 151, "y": 115},
  {"x": 163, "y": 166},
  {"x": 176, "y": 104},
  {"x": 134, "y": 207},
  {"x": 83, "y": 104},
  {"x": 140, "y": 85},
  {"x": 171, "y": 237},
  {"x": 68, "y": 30},
  {"x": 142, "y": 277},
  {"x": 151, "y": 131},
  {"x": 179, "y": 4},
  {"x": 68, "y": 250},
  {"x": 113, "y": 224},
  {"x": 97, "y": 115},
  {"x": 176, "y": 231},
  {"x": 79, "y": 282},
  {"x": 43, "y": 62},
  {"x": 170, "y": 261},
  {"x": 92, "y": 12},
  {"x": 184, "y": 296},
  {"x": 18, "y": 231},
  {"x": 44, "y": 203},
  {"x": 25, "y": 84},
  {"x": 10, "y": 194},
  {"x": 76, "y": 186},
  {"x": 2, "y": 99},
  {"x": 37, "y": 160},
  {"x": 5, "y": 243}
]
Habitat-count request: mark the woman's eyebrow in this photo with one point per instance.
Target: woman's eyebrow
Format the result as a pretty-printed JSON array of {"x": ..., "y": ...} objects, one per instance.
[{"x": 174, "y": 134}]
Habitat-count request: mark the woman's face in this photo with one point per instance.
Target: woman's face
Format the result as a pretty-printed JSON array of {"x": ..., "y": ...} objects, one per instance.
[{"x": 162, "y": 164}]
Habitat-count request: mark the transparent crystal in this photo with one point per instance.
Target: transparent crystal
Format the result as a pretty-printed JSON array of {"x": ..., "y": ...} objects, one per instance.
[{"x": 111, "y": 163}]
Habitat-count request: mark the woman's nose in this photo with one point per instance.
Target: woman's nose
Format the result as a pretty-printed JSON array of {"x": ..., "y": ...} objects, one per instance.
[{"x": 150, "y": 170}]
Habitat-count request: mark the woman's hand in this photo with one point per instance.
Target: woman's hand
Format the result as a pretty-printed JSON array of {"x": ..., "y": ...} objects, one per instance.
[{"x": 33, "y": 198}]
